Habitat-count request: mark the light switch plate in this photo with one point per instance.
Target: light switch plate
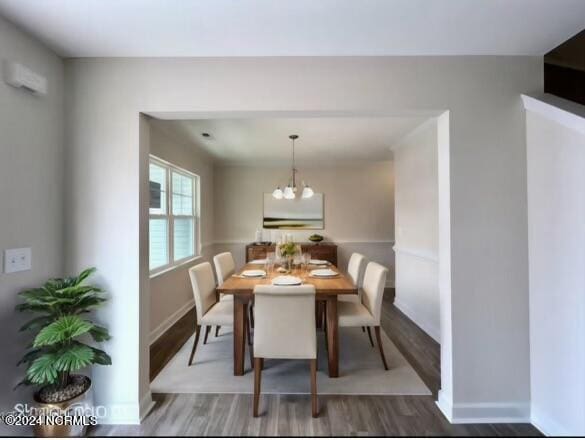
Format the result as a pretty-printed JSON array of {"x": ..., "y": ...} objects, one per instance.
[{"x": 17, "y": 260}]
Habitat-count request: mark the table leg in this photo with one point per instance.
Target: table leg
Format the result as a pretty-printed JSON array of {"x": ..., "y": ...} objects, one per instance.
[
  {"x": 240, "y": 309},
  {"x": 332, "y": 336}
]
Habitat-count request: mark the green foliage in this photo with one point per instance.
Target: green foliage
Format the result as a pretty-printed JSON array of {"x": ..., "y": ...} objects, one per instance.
[
  {"x": 288, "y": 249},
  {"x": 57, "y": 347},
  {"x": 62, "y": 330}
]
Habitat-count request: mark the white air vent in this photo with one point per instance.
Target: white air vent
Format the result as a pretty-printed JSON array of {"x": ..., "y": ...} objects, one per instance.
[{"x": 20, "y": 76}]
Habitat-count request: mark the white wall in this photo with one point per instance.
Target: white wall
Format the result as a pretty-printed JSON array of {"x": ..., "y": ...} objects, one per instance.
[
  {"x": 170, "y": 292},
  {"x": 487, "y": 161},
  {"x": 31, "y": 200},
  {"x": 358, "y": 207},
  {"x": 416, "y": 197},
  {"x": 556, "y": 233}
]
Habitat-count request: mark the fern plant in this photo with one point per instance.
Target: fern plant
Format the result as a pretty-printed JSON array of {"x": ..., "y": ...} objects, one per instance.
[{"x": 58, "y": 348}]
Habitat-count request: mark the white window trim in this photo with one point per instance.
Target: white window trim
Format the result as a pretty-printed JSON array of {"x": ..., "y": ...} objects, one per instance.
[{"x": 170, "y": 167}]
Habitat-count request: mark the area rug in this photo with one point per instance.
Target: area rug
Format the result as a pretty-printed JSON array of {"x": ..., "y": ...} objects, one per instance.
[{"x": 360, "y": 367}]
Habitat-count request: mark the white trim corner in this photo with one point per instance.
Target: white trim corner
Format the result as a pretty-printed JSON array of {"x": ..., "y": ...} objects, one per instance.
[
  {"x": 571, "y": 116},
  {"x": 146, "y": 405}
]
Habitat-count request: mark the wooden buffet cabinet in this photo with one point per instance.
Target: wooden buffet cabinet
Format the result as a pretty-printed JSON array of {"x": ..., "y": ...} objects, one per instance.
[{"x": 321, "y": 251}]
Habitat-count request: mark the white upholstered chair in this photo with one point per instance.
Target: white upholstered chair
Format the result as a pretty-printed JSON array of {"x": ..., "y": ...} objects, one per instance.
[
  {"x": 355, "y": 270},
  {"x": 225, "y": 267},
  {"x": 368, "y": 312},
  {"x": 285, "y": 329},
  {"x": 209, "y": 311}
]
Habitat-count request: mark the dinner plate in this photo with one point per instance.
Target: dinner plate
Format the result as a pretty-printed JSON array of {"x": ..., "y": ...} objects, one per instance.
[
  {"x": 318, "y": 262},
  {"x": 253, "y": 273},
  {"x": 323, "y": 273},
  {"x": 287, "y": 280},
  {"x": 261, "y": 261}
]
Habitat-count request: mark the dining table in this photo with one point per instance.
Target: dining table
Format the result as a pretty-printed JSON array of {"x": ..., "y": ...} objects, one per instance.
[{"x": 327, "y": 292}]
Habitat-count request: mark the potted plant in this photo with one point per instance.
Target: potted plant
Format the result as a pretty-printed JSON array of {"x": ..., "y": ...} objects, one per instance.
[{"x": 60, "y": 347}]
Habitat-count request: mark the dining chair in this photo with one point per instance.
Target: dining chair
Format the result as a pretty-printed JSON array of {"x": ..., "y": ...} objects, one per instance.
[
  {"x": 209, "y": 311},
  {"x": 367, "y": 313},
  {"x": 225, "y": 267},
  {"x": 285, "y": 329},
  {"x": 355, "y": 270}
]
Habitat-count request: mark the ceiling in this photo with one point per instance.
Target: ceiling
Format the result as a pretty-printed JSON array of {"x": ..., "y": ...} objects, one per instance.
[
  {"x": 163, "y": 28},
  {"x": 321, "y": 140}
]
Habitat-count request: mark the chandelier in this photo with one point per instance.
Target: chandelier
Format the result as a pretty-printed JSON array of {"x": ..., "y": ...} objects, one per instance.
[{"x": 290, "y": 190}]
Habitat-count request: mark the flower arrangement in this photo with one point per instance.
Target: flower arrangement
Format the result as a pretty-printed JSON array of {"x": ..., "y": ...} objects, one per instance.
[{"x": 288, "y": 249}]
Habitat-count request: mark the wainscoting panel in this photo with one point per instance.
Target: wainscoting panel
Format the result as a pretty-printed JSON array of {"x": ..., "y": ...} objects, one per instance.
[{"x": 417, "y": 288}]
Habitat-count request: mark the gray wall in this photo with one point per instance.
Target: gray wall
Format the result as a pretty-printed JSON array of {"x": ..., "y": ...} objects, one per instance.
[
  {"x": 31, "y": 192},
  {"x": 556, "y": 226},
  {"x": 171, "y": 292},
  {"x": 487, "y": 160}
]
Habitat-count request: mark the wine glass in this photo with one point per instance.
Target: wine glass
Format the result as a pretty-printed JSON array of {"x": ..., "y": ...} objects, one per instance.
[
  {"x": 270, "y": 260},
  {"x": 306, "y": 261}
]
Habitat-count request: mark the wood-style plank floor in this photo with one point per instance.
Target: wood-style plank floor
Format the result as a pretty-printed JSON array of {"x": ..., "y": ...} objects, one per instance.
[{"x": 290, "y": 415}]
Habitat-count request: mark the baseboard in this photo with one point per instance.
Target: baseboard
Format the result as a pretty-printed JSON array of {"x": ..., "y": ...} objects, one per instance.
[
  {"x": 549, "y": 427},
  {"x": 445, "y": 405},
  {"x": 170, "y": 321},
  {"x": 485, "y": 412},
  {"x": 424, "y": 325}
]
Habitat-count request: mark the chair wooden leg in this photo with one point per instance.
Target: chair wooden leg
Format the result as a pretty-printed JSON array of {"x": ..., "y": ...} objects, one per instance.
[
  {"x": 250, "y": 352},
  {"x": 314, "y": 401},
  {"x": 248, "y": 333},
  {"x": 363, "y": 329},
  {"x": 257, "y": 383},
  {"x": 325, "y": 329},
  {"x": 370, "y": 336},
  {"x": 197, "y": 332},
  {"x": 252, "y": 315},
  {"x": 207, "y": 329},
  {"x": 217, "y": 327},
  {"x": 379, "y": 339}
]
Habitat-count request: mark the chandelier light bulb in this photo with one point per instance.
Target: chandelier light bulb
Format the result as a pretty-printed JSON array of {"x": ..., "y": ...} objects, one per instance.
[
  {"x": 307, "y": 192},
  {"x": 277, "y": 194},
  {"x": 289, "y": 193}
]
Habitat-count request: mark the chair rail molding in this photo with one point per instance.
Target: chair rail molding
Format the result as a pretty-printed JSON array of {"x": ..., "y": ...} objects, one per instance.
[{"x": 423, "y": 254}]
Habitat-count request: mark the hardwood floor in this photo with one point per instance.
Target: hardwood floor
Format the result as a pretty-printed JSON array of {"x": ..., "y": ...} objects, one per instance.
[{"x": 290, "y": 415}]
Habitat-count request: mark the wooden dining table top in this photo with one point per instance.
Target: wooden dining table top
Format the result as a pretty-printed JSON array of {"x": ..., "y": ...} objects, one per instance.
[{"x": 338, "y": 285}]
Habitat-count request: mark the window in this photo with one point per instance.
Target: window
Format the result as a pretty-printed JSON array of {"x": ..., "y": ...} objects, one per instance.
[{"x": 173, "y": 224}]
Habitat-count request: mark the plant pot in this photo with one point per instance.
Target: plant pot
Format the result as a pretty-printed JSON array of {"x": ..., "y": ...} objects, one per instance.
[{"x": 81, "y": 404}]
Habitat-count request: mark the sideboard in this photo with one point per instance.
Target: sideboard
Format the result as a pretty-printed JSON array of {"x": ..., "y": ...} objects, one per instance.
[{"x": 321, "y": 251}]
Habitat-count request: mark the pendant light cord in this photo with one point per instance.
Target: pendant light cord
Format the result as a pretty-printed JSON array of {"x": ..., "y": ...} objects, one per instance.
[{"x": 293, "y": 164}]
